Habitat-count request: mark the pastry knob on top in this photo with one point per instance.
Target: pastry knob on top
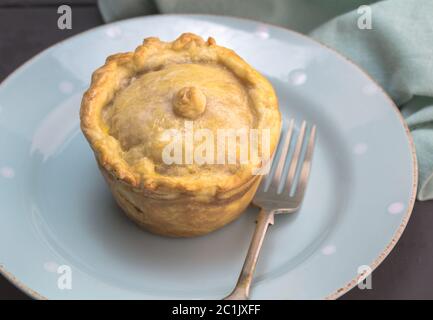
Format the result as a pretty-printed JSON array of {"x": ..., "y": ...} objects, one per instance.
[{"x": 189, "y": 102}]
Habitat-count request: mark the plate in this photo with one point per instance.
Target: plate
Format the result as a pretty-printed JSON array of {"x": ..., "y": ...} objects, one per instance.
[{"x": 63, "y": 237}]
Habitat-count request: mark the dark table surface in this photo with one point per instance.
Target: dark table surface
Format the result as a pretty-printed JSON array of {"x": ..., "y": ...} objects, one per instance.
[{"x": 29, "y": 26}]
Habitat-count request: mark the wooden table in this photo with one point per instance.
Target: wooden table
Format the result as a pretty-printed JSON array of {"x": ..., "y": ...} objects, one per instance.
[{"x": 29, "y": 26}]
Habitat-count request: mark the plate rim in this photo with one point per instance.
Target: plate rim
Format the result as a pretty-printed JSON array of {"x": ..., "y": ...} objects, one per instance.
[{"x": 405, "y": 218}]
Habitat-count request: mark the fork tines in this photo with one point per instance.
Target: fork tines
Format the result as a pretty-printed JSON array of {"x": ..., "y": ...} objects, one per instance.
[{"x": 292, "y": 162}]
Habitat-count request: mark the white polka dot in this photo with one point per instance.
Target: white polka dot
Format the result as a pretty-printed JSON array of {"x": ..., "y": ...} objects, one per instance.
[
  {"x": 51, "y": 266},
  {"x": 328, "y": 250},
  {"x": 262, "y": 32},
  {"x": 7, "y": 172},
  {"x": 370, "y": 89},
  {"x": 360, "y": 148},
  {"x": 297, "y": 77},
  {"x": 113, "y": 32},
  {"x": 395, "y": 208},
  {"x": 66, "y": 87}
]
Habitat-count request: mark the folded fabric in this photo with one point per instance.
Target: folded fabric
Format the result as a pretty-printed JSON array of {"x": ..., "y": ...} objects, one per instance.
[
  {"x": 300, "y": 15},
  {"x": 397, "y": 51}
]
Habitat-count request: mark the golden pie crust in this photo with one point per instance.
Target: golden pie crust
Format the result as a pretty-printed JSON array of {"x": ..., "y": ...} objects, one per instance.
[{"x": 137, "y": 96}]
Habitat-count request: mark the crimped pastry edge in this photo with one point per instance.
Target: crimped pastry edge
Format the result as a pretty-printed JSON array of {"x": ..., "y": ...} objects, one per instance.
[{"x": 119, "y": 68}]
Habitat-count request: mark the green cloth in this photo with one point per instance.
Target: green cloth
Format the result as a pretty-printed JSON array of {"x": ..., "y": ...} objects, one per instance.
[{"x": 397, "y": 52}]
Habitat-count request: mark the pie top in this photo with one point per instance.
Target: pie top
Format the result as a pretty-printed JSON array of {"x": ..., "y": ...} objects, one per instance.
[{"x": 139, "y": 103}]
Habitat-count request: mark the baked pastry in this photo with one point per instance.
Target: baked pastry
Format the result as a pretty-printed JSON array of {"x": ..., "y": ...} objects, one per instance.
[{"x": 140, "y": 103}]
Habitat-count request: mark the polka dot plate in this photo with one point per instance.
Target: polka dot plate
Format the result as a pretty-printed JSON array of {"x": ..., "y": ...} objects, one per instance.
[{"x": 63, "y": 237}]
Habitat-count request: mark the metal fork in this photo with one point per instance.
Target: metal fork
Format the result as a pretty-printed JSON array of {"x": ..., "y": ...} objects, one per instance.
[{"x": 278, "y": 194}]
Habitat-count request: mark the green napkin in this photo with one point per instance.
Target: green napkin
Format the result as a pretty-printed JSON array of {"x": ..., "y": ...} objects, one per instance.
[{"x": 397, "y": 51}]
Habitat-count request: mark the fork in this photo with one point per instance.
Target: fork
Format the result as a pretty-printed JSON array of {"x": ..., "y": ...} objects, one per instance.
[{"x": 280, "y": 191}]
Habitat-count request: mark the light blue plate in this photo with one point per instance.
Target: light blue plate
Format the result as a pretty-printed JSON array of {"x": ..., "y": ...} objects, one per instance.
[{"x": 55, "y": 209}]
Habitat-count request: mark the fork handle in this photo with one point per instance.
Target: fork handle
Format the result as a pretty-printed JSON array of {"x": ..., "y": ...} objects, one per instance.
[{"x": 242, "y": 289}]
